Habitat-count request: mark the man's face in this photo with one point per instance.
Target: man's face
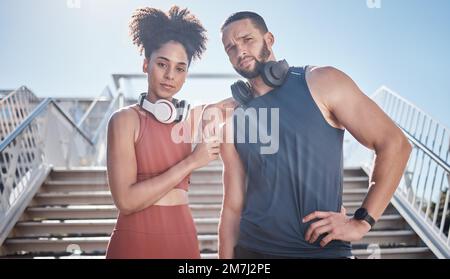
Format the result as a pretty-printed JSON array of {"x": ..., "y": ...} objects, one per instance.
[{"x": 246, "y": 47}]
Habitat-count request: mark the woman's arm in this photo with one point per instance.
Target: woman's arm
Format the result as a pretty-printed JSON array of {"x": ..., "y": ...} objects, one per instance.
[{"x": 131, "y": 196}]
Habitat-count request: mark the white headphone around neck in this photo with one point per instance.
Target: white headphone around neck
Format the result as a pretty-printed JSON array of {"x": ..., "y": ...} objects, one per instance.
[{"x": 165, "y": 111}]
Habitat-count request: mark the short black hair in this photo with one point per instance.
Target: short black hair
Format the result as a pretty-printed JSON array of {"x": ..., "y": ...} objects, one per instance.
[
  {"x": 150, "y": 28},
  {"x": 256, "y": 19}
]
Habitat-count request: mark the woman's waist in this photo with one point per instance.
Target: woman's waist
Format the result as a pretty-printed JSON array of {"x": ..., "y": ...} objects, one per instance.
[
  {"x": 158, "y": 219},
  {"x": 174, "y": 197}
]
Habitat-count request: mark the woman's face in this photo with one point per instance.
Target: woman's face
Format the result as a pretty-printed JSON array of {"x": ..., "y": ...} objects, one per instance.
[{"x": 166, "y": 70}]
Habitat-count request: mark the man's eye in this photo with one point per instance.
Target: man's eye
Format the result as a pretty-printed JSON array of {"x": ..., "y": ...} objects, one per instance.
[
  {"x": 181, "y": 70},
  {"x": 162, "y": 65},
  {"x": 247, "y": 40}
]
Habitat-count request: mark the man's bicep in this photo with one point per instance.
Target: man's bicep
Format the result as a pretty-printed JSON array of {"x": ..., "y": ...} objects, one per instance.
[{"x": 360, "y": 115}]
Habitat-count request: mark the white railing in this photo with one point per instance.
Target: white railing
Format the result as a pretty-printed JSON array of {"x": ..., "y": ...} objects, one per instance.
[
  {"x": 14, "y": 107},
  {"x": 422, "y": 197},
  {"x": 45, "y": 137},
  {"x": 100, "y": 134},
  {"x": 25, "y": 159},
  {"x": 95, "y": 112}
]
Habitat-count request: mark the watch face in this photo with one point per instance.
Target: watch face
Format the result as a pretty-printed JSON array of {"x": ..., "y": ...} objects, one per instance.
[{"x": 360, "y": 213}]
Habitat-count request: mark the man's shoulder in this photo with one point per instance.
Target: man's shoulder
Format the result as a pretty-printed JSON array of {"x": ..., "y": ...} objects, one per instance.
[
  {"x": 324, "y": 73},
  {"x": 319, "y": 72},
  {"x": 326, "y": 78}
]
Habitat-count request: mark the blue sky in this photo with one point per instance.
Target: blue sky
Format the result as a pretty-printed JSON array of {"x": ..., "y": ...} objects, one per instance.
[{"x": 58, "y": 49}]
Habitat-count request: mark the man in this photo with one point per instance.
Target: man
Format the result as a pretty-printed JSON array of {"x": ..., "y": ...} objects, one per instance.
[{"x": 288, "y": 204}]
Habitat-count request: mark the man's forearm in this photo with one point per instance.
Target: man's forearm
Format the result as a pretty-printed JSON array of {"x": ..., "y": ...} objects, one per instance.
[
  {"x": 228, "y": 234},
  {"x": 388, "y": 169}
]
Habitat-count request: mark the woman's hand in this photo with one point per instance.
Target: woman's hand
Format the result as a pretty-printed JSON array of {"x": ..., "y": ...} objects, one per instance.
[
  {"x": 205, "y": 152},
  {"x": 228, "y": 103}
]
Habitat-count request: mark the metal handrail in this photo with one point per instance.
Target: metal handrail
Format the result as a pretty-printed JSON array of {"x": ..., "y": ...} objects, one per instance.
[
  {"x": 14, "y": 108},
  {"x": 427, "y": 151},
  {"x": 34, "y": 114},
  {"x": 426, "y": 179},
  {"x": 27, "y": 159},
  {"x": 14, "y": 92},
  {"x": 92, "y": 105},
  {"x": 415, "y": 121},
  {"x": 106, "y": 117}
]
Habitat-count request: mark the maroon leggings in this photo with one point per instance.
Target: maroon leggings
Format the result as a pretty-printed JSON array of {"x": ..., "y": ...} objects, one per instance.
[{"x": 157, "y": 232}]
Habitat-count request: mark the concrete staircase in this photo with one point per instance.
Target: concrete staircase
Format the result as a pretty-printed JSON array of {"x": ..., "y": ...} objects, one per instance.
[{"x": 74, "y": 210}]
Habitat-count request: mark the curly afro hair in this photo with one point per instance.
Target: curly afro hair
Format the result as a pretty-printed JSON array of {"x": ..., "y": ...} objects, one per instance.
[{"x": 150, "y": 28}]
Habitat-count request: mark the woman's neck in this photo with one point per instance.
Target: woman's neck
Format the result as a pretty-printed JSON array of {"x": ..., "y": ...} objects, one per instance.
[{"x": 152, "y": 97}]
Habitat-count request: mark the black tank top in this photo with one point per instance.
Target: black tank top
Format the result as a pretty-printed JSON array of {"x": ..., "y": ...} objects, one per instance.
[{"x": 303, "y": 174}]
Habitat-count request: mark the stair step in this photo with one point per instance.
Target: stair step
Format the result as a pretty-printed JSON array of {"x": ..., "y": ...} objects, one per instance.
[
  {"x": 395, "y": 253},
  {"x": 77, "y": 186},
  {"x": 56, "y": 245},
  {"x": 354, "y": 195},
  {"x": 72, "y": 212},
  {"x": 91, "y": 227},
  {"x": 208, "y": 256},
  {"x": 73, "y": 186},
  {"x": 387, "y": 238},
  {"x": 390, "y": 222},
  {"x": 213, "y": 182},
  {"x": 356, "y": 182},
  {"x": 104, "y": 197},
  {"x": 354, "y": 172},
  {"x": 106, "y": 226},
  {"x": 79, "y": 174},
  {"x": 382, "y": 253},
  {"x": 100, "y": 173},
  {"x": 207, "y": 242},
  {"x": 351, "y": 207},
  {"x": 92, "y": 244},
  {"x": 105, "y": 211},
  {"x": 53, "y": 256},
  {"x": 73, "y": 198}
]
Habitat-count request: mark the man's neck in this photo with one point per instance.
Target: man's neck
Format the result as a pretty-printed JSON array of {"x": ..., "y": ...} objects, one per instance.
[{"x": 258, "y": 86}]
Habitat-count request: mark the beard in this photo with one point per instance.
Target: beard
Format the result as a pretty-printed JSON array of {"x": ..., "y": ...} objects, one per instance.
[{"x": 259, "y": 63}]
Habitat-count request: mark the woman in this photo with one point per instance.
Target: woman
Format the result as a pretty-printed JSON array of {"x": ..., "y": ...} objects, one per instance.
[{"x": 148, "y": 171}]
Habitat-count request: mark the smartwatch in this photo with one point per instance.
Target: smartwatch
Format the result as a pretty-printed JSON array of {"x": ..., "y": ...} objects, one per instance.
[{"x": 362, "y": 214}]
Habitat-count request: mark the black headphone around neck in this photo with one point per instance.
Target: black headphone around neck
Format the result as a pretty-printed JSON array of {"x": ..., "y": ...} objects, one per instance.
[{"x": 273, "y": 74}]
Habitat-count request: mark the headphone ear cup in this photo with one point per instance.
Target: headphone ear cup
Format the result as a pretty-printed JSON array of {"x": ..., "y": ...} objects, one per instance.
[
  {"x": 241, "y": 92},
  {"x": 164, "y": 111},
  {"x": 266, "y": 74},
  {"x": 274, "y": 73},
  {"x": 183, "y": 110}
]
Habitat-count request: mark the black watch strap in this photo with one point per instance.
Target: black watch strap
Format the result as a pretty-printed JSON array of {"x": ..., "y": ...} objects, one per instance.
[{"x": 362, "y": 214}]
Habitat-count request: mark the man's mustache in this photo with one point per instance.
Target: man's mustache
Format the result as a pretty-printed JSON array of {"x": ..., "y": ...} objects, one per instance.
[{"x": 245, "y": 57}]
